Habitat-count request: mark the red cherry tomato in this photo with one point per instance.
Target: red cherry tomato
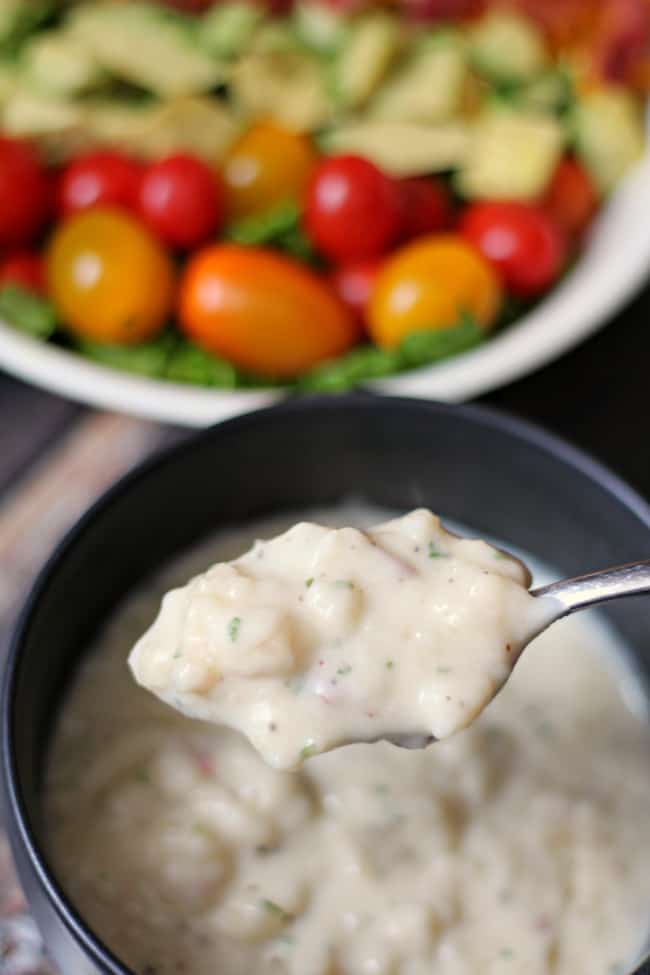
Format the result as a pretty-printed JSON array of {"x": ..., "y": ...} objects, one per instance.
[
  {"x": 99, "y": 179},
  {"x": 24, "y": 193},
  {"x": 182, "y": 201},
  {"x": 426, "y": 207},
  {"x": 624, "y": 38},
  {"x": 572, "y": 198},
  {"x": 352, "y": 209},
  {"x": 354, "y": 284},
  {"x": 24, "y": 269},
  {"x": 520, "y": 240}
]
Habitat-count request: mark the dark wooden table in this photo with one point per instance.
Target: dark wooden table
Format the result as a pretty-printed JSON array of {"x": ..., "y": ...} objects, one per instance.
[{"x": 55, "y": 457}]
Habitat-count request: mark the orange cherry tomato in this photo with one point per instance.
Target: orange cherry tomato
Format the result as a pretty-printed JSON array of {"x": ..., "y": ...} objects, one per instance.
[
  {"x": 262, "y": 311},
  {"x": 267, "y": 166},
  {"x": 429, "y": 285},
  {"x": 108, "y": 277}
]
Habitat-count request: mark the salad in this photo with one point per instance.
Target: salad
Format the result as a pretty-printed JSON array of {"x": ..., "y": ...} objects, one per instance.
[{"x": 303, "y": 192}]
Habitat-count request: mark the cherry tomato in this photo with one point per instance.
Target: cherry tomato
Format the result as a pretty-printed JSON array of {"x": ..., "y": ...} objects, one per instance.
[
  {"x": 267, "y": 166},
  {"x": 24, "y": 193},
  {"x": 354, "y": 283},
  {"x": 430, "y": 284},
  {"x": 625, "y": 40},
  {"x": 99, "y": 179},
  {"x": 426, "y": 207},
  {"x": 352, "y": 210},
  {"x": 572, "y": 198},
  {"x": 181, "y": 200},
  {"x": 520, "y": 240},
  {"x": 109, "y": 278},
  {"x": 24, "y": 269},
  {"x": 262, "y": 311}
]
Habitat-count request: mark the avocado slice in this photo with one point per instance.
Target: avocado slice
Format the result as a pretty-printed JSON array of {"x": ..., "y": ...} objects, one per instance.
[
  {"x": 226, "y": 28},
  {"x": 550, "y": 92},
  {"x": 146, "y": 46},
  {"x": 276, "y": 36},
  {"x": 9, "y": 80},
  {"x": 57, "y": 64},
  {"x": 512, "y": 156},
  {"x": 427, "y": 88},
  {"x": 507, "y": 47},
  {"x": 196, "y": 124},
  {"x": 319, "y": 27},
  {"x": 289, "y": 86},
  {"x": 609, "y": 133},
  {"x": 56, "y": 124},
  {"x": 370, "y": 48},
  {"x": 402, "y": 148},
  {"x": 19, "y": 18}
]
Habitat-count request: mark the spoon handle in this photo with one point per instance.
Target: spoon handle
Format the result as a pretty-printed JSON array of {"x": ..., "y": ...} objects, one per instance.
[{"x": 632, "y": 579}]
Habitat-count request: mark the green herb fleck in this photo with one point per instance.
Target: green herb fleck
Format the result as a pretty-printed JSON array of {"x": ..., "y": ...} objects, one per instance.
[
  {"x": 382, "y": 789},
  {"x": 295, "y": 684},
  {"x": 390, "y": 664},
  {"x": 344, "y": 670},
  {"x": 344, "y": 584},
  {"x": 507, "y": 954},
  {"x": 435, "y": 553},
  {"x": 142, "y": 775},
  {"x": 201, "y": 829},
  {"x": 443, "y": 670},
  {"x": 233, "y": 628},
  {"x": 499, "y": 556},
  {"x": 177, "y": 655},
  {"x": 276, "y": 910},
  {"x": 309, "y": 749},
  {"x": 286, "y": 939},
  {"x": 309, "y": 582}
]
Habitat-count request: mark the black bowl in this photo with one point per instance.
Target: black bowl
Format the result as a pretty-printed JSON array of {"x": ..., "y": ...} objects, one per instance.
[{"x": 499, "y": 475}]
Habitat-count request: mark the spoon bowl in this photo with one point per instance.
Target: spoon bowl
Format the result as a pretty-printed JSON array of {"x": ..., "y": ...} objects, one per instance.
[{"x": 561, "y": 599}]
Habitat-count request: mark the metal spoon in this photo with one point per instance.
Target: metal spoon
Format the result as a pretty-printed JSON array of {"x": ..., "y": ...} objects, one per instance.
[{"x": 566, "y": 597}]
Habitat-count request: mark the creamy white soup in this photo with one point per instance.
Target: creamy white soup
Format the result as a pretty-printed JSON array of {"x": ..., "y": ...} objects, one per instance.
[
  {"x": 324, "y": 636},
  {"x": 520, "y": 845}
]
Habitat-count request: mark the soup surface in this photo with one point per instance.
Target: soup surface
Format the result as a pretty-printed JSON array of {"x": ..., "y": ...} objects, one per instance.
[
  {"x": 520, "y": 845},
  {"x": 325, "y": 636}
]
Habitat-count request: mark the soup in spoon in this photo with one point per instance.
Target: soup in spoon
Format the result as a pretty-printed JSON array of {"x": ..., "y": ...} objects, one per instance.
[{"x": 324, "y": 636}]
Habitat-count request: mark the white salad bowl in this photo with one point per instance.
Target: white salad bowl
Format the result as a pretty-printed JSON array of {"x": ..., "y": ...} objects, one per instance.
[{"x": 613, "y": 266}]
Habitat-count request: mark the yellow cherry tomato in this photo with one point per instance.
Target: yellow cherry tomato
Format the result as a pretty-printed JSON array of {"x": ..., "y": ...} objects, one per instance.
[
  {"x": 108, "y": 277},
  {"x": 430, "y": 284},
  {"x": 267, "y": 166}
]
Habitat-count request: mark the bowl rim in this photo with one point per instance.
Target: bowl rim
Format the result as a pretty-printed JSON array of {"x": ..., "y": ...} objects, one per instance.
[
  {"x": 564, "y": 317},
  {"x": 22, "y": 832}
]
